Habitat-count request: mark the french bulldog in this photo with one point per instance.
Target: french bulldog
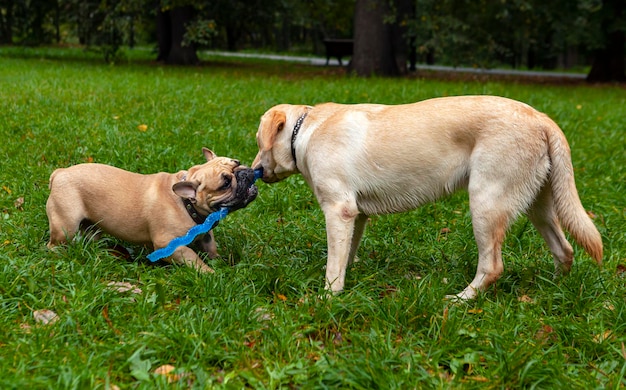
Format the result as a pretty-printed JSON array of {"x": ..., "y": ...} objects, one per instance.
[{"x": 147, "y": 209}]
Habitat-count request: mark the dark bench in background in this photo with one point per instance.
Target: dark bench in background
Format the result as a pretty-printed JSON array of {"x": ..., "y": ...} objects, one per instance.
[{"x": 338, "y": 48}]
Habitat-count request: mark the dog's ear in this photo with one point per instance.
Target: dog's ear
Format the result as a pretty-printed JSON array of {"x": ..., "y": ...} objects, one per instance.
[
  {"x": 186, "y": 189},
  {"x": 278, "y": 121},
  {"x": 277, "y": 124},
  {"x": 208, "y": 154}
]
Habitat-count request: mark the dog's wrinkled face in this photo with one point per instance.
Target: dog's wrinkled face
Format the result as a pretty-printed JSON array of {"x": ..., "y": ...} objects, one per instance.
[
  {"x": 274, "y": 142},
  {"x": 220, "y": 182}
]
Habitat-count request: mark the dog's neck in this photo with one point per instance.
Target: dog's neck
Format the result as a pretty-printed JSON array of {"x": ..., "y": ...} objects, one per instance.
[
  {"x": 191, "y": 209},
  {"x": 193, "y": 212},
  {"x": 296, "y": 129}
]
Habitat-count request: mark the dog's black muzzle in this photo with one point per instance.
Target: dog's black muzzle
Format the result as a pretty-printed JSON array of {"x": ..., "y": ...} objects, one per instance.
[{"x": 246, "y": 191}]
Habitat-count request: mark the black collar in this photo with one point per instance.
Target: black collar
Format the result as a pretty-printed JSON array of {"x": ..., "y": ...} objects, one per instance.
[
  {"x": 191, "y": 209},
  {"x": 296, "y": 129},
  {"x": 193, "y": 213}
]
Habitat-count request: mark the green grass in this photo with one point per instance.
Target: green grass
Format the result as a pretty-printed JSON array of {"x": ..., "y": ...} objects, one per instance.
[{"x": 259, "y": 322}]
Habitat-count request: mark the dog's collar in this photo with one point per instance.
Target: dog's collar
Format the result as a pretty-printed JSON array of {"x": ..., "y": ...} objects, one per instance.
[
  {"x": 191, "y": 209},
  {"x": 296, "y": 129},
  {"x": 193, "y": 212}
]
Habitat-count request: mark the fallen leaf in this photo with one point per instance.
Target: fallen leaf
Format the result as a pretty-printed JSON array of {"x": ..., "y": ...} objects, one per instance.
[
  {"x": 475, "y": 311},
  {"x": 25, "y": 327},
  {"x": 166, "y": 370},
  {"x": 599, "y": 338},
  {"x": 45, "y": 316},
  {"x": 124, "y": 287},
  {"x": 142, "y": 128},
  {"x": 621, "y": 269},
  {"x": 477, "y": 378},
  {"x": 263, "y": 314},
  {"x": 546, "y": 333},
  {"x": 19, "y": 202},
  {"x": 7, "y": 189},
  {"x": 389, "y": 290},
  {"x": 281, "y": 297},
  {"x": 118, "y": 250},
  {"x": 525, "y": 299},
  {"x": 445, "y": 230}
]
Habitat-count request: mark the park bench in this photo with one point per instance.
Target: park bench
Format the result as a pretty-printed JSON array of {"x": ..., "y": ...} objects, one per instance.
[{"x": 338, "y": 48}]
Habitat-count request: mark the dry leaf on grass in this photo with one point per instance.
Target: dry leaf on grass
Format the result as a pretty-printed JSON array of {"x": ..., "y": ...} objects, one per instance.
[
  {"x": 546, "y": 333},
  {"x": 262, "y": 314},
  {"x": 476, "y": 378},
  {"x": 19, "y": 202},
  {"x": 525, "y": 299},
  {"x": 388, "y": 290},
  {"x": 25, "y": 327},
  {"x": 599, "y": 338},
  {"x": 45, "y": 316},
  {"x": 609, "y": 306},
  {"x": 167, "y": 370},
  {"x": 124, "y": 287}
]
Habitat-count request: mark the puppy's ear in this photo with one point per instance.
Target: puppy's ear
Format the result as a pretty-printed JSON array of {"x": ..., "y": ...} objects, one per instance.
[
  {"x": 208, "y": 154},
  {"x": 186, "y": 189}
]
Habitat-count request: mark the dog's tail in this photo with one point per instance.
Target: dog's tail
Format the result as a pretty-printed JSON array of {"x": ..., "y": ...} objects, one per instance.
[{"x": 569, "y": 209}]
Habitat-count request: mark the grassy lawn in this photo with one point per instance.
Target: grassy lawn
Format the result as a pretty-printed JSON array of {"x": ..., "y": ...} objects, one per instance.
[{"x": 258, "y": 322}]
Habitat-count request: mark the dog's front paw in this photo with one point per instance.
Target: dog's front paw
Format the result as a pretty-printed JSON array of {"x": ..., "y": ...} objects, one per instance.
[{"x": 467, "y": 294}]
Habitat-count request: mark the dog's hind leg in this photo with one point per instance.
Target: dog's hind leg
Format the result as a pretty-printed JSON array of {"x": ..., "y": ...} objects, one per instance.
[
  {"x": 207, "y": 244},
  {"x": 543, "y": 216},
  {"x": 64, "y": 223},
  {"x": 490, "y": 225},
  {"x": 496, "y": 198}
]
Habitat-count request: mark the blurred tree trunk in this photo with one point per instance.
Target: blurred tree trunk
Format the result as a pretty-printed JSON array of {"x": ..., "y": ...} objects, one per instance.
[
  {"x": 379, "y": 46},
  {"x": 608, "y": 62},
  {"x": 6, "y": 23},
  {"x": 170, "y": 33}
]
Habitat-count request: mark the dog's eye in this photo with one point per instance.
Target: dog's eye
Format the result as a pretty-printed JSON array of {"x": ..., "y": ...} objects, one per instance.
[{"x": 226, "y": 182}]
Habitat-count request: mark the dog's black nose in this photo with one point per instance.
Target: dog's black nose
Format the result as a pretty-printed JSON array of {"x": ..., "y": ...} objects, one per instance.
[{"x": 245, "y": 175}]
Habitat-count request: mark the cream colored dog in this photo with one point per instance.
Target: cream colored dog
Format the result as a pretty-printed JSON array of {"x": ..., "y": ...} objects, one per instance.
[
  {"x": 368, "y": 159},
  {"x": 147, "y": 209}
]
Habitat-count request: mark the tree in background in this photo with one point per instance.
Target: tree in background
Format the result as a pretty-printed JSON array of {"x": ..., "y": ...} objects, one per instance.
[
  {"x": 608, "y": 42},
  {"x": 481, "y": 33},
  {"x": 380, "y": 44},
  {"x": 171, "y": 22}
]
